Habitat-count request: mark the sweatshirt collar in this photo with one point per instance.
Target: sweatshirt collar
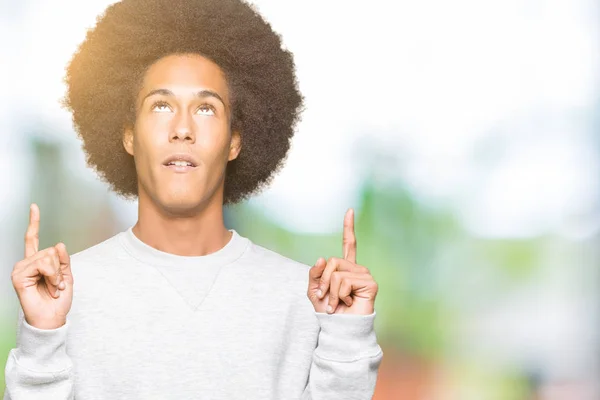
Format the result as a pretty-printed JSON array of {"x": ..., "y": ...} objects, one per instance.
[{"x": 233, "y": 250}]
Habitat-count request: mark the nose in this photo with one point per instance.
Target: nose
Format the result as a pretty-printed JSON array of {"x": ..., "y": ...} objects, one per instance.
[{"x": 183, "y": 128}]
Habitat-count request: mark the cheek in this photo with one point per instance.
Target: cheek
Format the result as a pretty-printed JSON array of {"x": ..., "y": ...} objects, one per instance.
[
  {"x": 213, "y": 138},
  {"x": 154, "y": 128},
  {"x": 151, "y": 133}
]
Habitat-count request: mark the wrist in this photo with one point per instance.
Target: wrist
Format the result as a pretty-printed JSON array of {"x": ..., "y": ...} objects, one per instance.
[{"x": 46, "y": 324}]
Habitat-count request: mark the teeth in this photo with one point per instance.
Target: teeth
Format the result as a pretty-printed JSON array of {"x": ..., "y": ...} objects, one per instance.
[{"x": 180, "y": 163}]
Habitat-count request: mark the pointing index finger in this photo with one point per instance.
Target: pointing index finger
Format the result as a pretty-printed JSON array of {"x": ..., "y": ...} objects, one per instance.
[
  {"x": 32, "y": 235},
  {"x": 349, "y": 240}
]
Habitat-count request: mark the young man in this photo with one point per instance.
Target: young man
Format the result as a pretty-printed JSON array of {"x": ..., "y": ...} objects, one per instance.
[{"x": 187, "y": 105}]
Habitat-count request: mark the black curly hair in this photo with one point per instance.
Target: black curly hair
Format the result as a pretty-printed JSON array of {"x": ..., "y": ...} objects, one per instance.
[{"x": 105, "y": 74}]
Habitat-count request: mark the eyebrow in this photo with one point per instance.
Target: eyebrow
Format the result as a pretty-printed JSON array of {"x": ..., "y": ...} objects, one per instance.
[{"x": 201, "y": 94}]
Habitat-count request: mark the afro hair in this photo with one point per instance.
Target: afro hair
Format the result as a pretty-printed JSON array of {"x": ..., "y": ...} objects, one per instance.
[{"x": 105, "y": 74}]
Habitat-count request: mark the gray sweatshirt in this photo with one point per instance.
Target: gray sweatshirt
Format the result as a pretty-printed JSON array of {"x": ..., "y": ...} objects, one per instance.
[{"x": 234, "y": 324}]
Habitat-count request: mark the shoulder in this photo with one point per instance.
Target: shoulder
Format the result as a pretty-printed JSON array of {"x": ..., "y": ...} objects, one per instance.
[
  {"x": 97, "y": 253},
  {"x": 282, "y": 277},
  {"x": 276, "y": 268},
  {"x": 272, "y": 260}
]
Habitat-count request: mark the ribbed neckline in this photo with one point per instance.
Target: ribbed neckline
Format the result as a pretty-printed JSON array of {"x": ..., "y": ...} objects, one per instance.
[{"x": 145, "y": 253}]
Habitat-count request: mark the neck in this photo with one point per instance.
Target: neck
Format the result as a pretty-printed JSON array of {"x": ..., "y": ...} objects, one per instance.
[{"x": 198, "y": 233}]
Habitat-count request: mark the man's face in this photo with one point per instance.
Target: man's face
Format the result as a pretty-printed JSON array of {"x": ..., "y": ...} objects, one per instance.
[{"x": 182, "y": 140}]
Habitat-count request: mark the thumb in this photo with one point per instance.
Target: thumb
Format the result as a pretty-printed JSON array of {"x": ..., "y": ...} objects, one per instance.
[
  {"x": 314, "y": 276},
  {"x": 316, "y": 271},
  {"x": 65, "y": 262}
]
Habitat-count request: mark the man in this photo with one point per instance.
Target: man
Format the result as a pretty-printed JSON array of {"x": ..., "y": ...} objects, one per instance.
[{"x": 187, "y": 105}]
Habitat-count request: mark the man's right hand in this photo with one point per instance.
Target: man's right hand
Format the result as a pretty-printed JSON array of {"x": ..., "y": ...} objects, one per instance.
[{"x": 43, "y": 279}]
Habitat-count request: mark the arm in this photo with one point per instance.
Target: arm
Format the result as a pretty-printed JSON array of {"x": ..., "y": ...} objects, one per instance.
[
  {"x": 346, "y": 359},
  {"x": 347, "y": 356},
  {"x": 39, "y": 367}
]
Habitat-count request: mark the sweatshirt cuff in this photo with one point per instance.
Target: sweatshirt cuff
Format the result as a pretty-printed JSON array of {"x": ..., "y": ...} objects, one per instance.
[
  {"x": 43, "y": 350},
  {"x": 347, "y": 338}
]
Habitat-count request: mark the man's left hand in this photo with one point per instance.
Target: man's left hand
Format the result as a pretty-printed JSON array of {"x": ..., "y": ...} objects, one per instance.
[{"x": 339, "y": 285}]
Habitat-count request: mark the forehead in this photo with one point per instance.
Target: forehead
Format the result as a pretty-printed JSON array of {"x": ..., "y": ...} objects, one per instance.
[{"x": 185, "y": 72}]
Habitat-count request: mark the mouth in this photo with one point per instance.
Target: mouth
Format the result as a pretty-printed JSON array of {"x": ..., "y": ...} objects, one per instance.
[{"x": 180, "y": 163}]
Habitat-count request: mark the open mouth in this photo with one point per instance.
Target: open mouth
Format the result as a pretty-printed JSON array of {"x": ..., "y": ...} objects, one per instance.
[
  {"x": 180, "y": 163},
  {"x": 179, "y": 166}
]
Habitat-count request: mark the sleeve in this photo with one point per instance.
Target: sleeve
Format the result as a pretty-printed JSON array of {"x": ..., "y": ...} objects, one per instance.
[
  {"x": 346, "y": 360},
  {"x": 39, "y": 367}
]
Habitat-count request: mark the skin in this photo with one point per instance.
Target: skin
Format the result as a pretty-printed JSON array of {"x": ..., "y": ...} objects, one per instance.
[
  {"x": 340, "y": 285},
  {"x": 182, "y": 213},
  {"x": 41, "y": 277}
]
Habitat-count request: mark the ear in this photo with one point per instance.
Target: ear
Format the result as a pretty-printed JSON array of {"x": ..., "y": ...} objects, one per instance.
[
  {"x": 128, "y": 140},
  {"x": 236, "y": 145}
]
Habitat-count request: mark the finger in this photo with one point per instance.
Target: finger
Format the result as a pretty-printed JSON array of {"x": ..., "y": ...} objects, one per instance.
[
  {"x": 317, "y": 270},
  {"x": 337, "y": 279},
  {"x": 334, "y": 288},
  {"x": 336, "y": 264},
  {"x": 31, "y": 274},
  {"x": 314, "y": 274},
  {"x": 33, "y": 230},
  {"x": 53, "y": 282},
  {"x": 332, "y": 265},
  {"x": 345, "y": 293},
  {"x": 40, "y": 254},
  {"x": 349, "y": 238},
  {"x": 65, "y": 265}
]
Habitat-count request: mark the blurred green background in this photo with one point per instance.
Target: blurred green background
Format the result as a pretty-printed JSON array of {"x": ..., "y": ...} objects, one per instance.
[{"x": 465, "y": 135}]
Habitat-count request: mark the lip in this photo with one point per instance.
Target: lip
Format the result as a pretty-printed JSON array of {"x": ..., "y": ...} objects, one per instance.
[
  {"x": 181, "y": 157},
  {"x": 179, "y": 169}
]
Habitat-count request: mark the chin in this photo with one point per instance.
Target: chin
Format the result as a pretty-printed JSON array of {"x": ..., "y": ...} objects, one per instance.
[
  {"x": 181, "y": 200},
  {"x": 181, "y": 205}
]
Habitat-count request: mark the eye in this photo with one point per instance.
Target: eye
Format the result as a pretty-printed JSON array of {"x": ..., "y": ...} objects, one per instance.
[
  {"x": 161, "y": 106},
  {"x": 206, "y": 109}
]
